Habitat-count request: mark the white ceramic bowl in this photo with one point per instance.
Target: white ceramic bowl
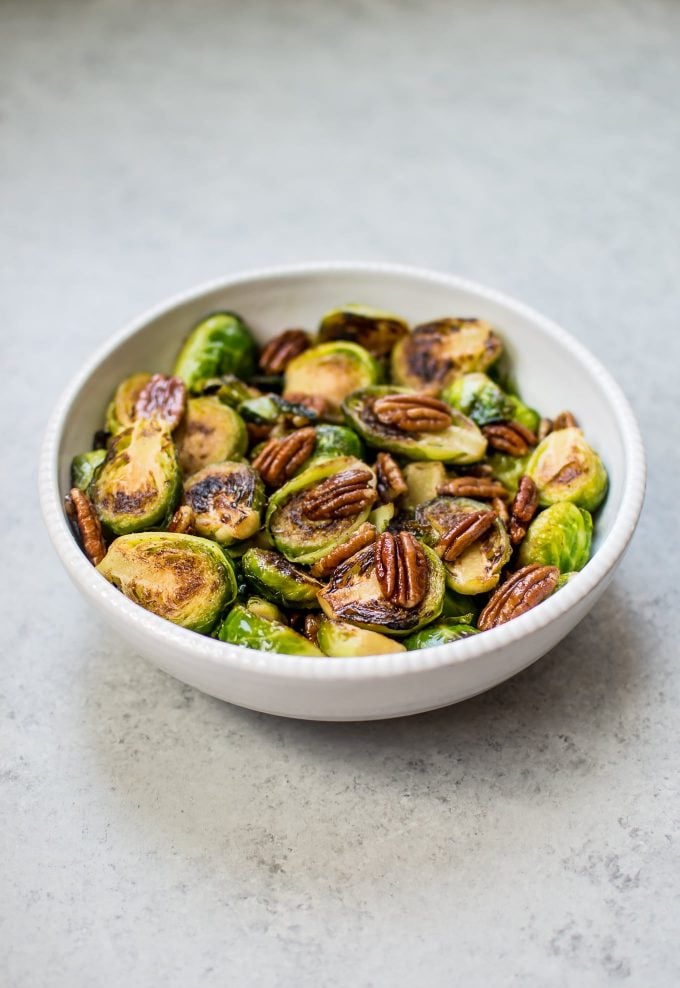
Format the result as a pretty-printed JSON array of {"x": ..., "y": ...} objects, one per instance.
[{"x": 554, "y": 372}]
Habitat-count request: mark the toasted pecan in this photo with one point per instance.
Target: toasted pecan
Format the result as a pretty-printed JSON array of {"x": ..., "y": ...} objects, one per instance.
[
  {"x": 279, "y": 459},
  {"x": 565, "y": 420},
  {"x": 342, "y": 495},
  {"x": 401, "y": 569},
  {"x": 364, "y": 535},
  {"x": 523, "y": 509},
  {"x": 279, "y": 352},
  {"x": 523, "y": 590},
  {"x": 81, "y": 511},
  {"x": 509, "y": 437},
  {"x": 413, "y": 413},
  {"x": 464, "y": 533},
  {"x": 311, "y": 627},
  {"x": 475, "y": 487},
  {"x": 391, "y": 483}
]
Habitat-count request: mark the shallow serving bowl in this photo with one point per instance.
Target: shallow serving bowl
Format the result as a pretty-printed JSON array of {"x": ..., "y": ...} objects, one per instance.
[{"x": 554, "y": 372}]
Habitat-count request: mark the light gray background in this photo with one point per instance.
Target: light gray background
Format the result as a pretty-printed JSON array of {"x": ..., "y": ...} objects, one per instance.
[{"x": 154, "y": 836}]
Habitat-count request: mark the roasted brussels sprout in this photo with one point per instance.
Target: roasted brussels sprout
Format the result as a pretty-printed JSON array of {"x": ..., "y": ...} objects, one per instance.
[
  {"x": 227, "y": 500},
  {"x": 435, "y": 353},
  {"x": 183, "y": 578},
  {"x": 478, "y": 397},
  {"x": 265, "y": 609},
  {"x": 508, "y": 469},
  {"x": 271, "y": 408},
  {"x": 337, "y": 440},
  {"x": 210, "y": 433},
  {"x": 277, "y": 579},
  {"x": 121, "y": 411},
  {"x": 559, "y": 536},
  {"x": 374, "y": 330},
  {"x": 382, "y": 516},
  {"x": 220, "y": 344},
  {"x": 460, "y": 608},
  {"x": 83, "y": 467},
  {"x": 332, "y": 370},
  {"x": 459, "y": 442},
  {"x": 526, "y": 416},
  {"x": 228, "y": 388},
  {"x": 565, "y": 468},
  {"x": 138, "y": 484},
  {"x": 423, "y": 479},
  {"x": 243, "y": 627},
  {"x": 440, "y": 633},
  {"x": 340, "y": 639}
]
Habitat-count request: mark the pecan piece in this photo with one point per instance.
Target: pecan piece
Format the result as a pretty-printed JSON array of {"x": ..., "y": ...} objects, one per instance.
[
  {"x": 509, "y": 437},
  {"x": 501, "y": 509},
  {"x": 464, "y": 533},
  {"x": 312, "y": 624},
  {"x": 476, "y": 487},
  {"x": 401, "y": 569},
  {"x": 164, "y": 398},
  {"x": 413, "y": 413},
  {"x": 523, "y": 509},
  {"x": 343, "y": 495},
  {"x": 278, "y": 460},
  {"x": 391, "y": 483},
  {"x": 565, "y": 420},
  {"x": 182, "y": 522},
  {"x": 279, "y": 352},
  {"x": 523, "y": 590},
  {"x": 81, "y": 511},
  {"x": 257, "y": 432},
  {"x": 364, "y": 535}
]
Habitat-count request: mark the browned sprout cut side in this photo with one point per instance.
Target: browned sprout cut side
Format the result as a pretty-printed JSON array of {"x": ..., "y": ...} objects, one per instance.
[{"x": 435, "y": 353}]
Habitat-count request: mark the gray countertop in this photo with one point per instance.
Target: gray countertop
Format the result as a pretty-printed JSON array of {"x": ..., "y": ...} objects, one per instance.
[{"x": 154, "y": 836}]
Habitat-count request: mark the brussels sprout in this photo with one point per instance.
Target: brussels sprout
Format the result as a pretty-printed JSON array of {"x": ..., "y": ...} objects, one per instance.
[
  {"x": 183, "y": 578},
  {"x": 265, "y": 609},
  {"x": 121, "y": 411},
  {"x": 478, "y": 569},
  {"x": 337, "y": 440},
  {"x": 211, "y": 432},
  {"x": 243, "y": 627},
  {"x": 422, "y": 479},
  {"x": 353, "y": 594},
  {"x": 559, "y": 536},
  {"x": 440, "y": 633},
  {"x": 138, "y": 484},
  {"x": 227, "y": 500},
  {"x": 277, "y": 579},
  {"x": 478, "y": 397},
  {"x": 462, "y": 608},
  {"x": 565, "y": 468},
  {"x": 229, "y": 389},
  {"x": 332, "y": 370},
  {"x": 435, "y": 353},
  {"x": 563, "y": 579},
  {"x": 83, "y": 467},
  {"x": 461, "y": 442},
  {"x": 382, "y": 516},
  {"x": 340, "y": 639},
  {"x": 220, "y": 344},
  {"x": 374, "y": 330},
  {"x": 528, "y": 417},
  {"x": 508, "y": 469},
  {"x": 300, "y": 539}
]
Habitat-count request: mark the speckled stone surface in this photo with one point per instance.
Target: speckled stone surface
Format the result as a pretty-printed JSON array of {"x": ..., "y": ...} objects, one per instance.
[{"x": 154, "y": 836}]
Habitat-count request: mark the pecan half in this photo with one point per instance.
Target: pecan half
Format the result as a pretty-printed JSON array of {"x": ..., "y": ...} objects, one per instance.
[
  {"x": 401, "y": 569},
  {"x": 565, "y": 420},
  {"x": 164, "y": 398},
  {"x": 523, "y": 509},
  {"x": 501, "y": 509},
  {"x": 278, "y": 460},
  {"x": 509, "y": 437},
  {"x": 257, "y": 432},
  {"x": 279, "y": 352},
  {"x": 523, "y": 590},
  {"x": 81, "y": 511},
  {"x": 413, "y": 413},
  {"x": 343, "y": 495},
  {"x": 391, "y": 483},
  {"x": 466, "y": 531},
  {"x": 182, "y": 522},
  {"x": 312, "y": 624},
  {"x": 477, "y": 487},
  {"x": 365, "y": 535}
]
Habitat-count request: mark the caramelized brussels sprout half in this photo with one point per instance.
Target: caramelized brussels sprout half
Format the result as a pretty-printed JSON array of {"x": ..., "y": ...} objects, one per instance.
[
  {"x": 382, "y": 516},
  {"x": 478, "y": 397},
  {"x": 526, "y": 416},
  {"x": 353, "y": 594},
  {"x": 508, "y": 469},
  {"x": 459, "y": 607},
  {"x": 83, "y": 467},
  {"x": 440, "y": 633},
  {"x": 437, "y": 352},
  {"x": 332, "y": 370},
  {"x": 461, "y": 442},
  {"x": 220, "y": 344},
  {"x": 182, "y": 578},
  {"x": 337, "y": 440},
  {"x": 565, "y": 467},
  {"x": 422, "y": 479},
  {"x": 229, "y": 389},
  {"x": 277, "y": 579},
  {"x": 227, "y": 500},
  {"x": 372, "y": 329},
  {"x": 271, "y": 408},
  {"x": 478, "y": 569},
  {"x": 340, "y": 639},
  {"x": 121, "y": 411},
  {"x": 210, "y": 433},
  {"x": 138, "y": 484},
  {"x": 265, "y": 609},
  {"x": 243, "y": 627},
  {"x": 559, "y": 536}
]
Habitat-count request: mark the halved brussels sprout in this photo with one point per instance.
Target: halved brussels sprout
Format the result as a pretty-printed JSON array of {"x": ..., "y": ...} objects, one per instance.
[
  {"x": 459, "y": 607},
  {"x": 435, "y": 353},
  {"x": 526, "y": 416},
  {"x": 183, "y": 578},
  {"x": 461, "y": 442},
  {"x": 83, "y": 467},
  {"x": 121, "y": 411},
  {"x": 373, "y": 329},
  {"x": 563, "y": 579},
  {"x": 220, "y": 344},
  {"x": 269, "y": 409},
  {"x": 565, "y": 467},
  {"x": 243, "y": 627},
  {"x": 337, "y": 440},
  {"x": 227, "y": 500},
  {"x": 265, "y": 609},
  {"x": 478, "y": 569},
  {"x": 353, "y": 594},
  {"x": 478, "y": 397},
  {"x": 138, "y": 484},
  {"x": 332, "y": 370},
  {"x": 440, "y": 633},
  {"x": 340, "y": 639},
  {"x": 229, "y": 389},
  {"x": 300, "y": 539},
  {"x": 559, "y": 536},
  {"x": 382, "y": 516},
  {"x": 508, "y": 469},
  {"x": 210, "y": 433},
  {"x": 422, "y": 479},
  {"x": 277, "y": 579}
]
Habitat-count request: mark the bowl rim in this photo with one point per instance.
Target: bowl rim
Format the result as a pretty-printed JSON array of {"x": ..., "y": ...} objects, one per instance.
[{"x": 282, "y": 667}]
